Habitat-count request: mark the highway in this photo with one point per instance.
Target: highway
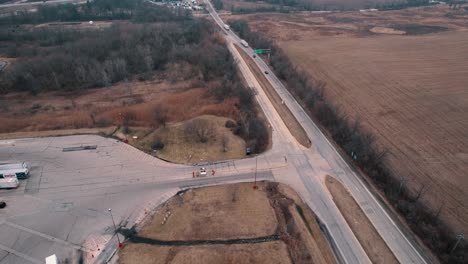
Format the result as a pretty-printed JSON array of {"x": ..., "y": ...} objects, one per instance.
[{"x": 321, "y": 159}]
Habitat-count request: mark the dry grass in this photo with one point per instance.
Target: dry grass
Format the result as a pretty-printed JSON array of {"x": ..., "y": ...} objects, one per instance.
[
  {"x": 229, "y": 4},
  {"x": 135, "y": 101},
  {"x": 373, "y": 244},
  {"x": 269, "y": 253},
  {"x": 54, "y": 133},
  {"x": 317, "y": 245},
  {"x": 79, "y": 25},
  {"x": 288, "y": 118},
  {"x": 182, "y": 148},
  {"x": 214, "y": 213},
  {"x": 409, "y": 90}
]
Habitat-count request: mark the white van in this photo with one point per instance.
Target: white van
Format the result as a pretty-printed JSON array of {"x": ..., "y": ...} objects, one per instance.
[
  {"x": 20, "y": 169},
  {"x": 244, "y": 43},
  {"x": 8, "y": 181}
]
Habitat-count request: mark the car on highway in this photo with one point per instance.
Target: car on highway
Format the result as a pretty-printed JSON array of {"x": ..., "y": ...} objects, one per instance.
[
  {"x": 266, "y": 72},
  {"x": 244, "y": 43},
  {"x": 202, "y": 172},
  {"x": 255, "y": 56}
]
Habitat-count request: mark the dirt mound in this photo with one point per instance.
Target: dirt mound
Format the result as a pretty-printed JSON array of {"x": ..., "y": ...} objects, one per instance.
[
  {"x": 384, "y": 30},
  {"x": 230, "y": 224}
]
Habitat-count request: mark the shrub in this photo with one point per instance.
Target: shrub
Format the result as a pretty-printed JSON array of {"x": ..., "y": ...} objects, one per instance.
[
  {"x": 103, "y": 122},
  {"x": 157, "y": 144},
  {"x": 230, "y": 124}
]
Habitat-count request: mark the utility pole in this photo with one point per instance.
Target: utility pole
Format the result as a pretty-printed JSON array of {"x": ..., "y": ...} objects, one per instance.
[
  {"x": 402, "y": 183},
  {"x": 269, "y": 48},
  {"x": 115, "y": 228},
  {"x": 255, "y": 174}
]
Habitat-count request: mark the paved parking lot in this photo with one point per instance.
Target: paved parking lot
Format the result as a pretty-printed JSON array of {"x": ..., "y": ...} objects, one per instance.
[{"x": 62, "y": 208}]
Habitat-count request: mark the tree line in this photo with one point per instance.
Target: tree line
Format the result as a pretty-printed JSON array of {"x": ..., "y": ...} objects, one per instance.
[
  {"x": 61, "y": 59},
  {"x": 402, "y": 4},
  {"x": 218, "y": 4},
  {"x": 137, "y": 10},
  {"x": 361, "y": 148},
  {"x": 308, "y": 5}
]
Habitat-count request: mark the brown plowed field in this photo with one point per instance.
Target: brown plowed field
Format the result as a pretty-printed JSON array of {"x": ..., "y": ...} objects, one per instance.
[{"x": 409, "y": 89}]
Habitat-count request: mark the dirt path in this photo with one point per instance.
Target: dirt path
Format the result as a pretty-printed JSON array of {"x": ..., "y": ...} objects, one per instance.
[
  {"x": 373, "y": 244},
  {"x": 288, "y": 118}
]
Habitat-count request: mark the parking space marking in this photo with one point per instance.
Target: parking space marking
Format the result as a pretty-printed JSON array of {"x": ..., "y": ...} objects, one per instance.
[
  {"x": 21, "y": 255},
  {"x": 50, "y": 238}
]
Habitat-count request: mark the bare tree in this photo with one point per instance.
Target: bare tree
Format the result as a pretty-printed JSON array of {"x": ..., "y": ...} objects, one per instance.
[
  {"x": 199, "y": 128},
  {"x": 401, "y": 185},
  {"x": 437, "y": 214},
  {"x": 225, "y": 142},
  {"x": 160, "y": 115},
  {"x": 420, "y": 192}
]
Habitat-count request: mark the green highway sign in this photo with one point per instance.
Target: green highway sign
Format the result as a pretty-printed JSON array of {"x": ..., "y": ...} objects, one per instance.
[{"x": 261, "y": 51}]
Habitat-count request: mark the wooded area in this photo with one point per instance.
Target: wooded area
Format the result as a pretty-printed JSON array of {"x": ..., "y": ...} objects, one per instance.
[
  {"x": 58, "y": 58},
  {"x": 137, "y": 10}
]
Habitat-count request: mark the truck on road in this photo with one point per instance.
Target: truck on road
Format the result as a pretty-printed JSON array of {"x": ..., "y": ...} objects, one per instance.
[
  {"x": 20, "y": 169},
  {"x": 226, "y": 27},
  {"x": 8, "y": 181},
  {"x": 244, "y": 43}
]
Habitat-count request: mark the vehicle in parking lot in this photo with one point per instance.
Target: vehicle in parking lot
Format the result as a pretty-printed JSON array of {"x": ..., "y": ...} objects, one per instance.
[
  {"x": 8, "y": 181},
  {"x": 21, "y": 169}
]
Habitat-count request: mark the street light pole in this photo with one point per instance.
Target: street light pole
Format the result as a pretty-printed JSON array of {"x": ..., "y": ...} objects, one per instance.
[
  {"x": 115, "y": 228},
  {"x": 255, "y": 175}
]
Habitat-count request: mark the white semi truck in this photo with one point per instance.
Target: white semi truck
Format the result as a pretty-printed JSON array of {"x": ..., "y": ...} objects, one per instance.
[
  {"x": 20, "y": 169},
  {"x": 8, "y": 181}
]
